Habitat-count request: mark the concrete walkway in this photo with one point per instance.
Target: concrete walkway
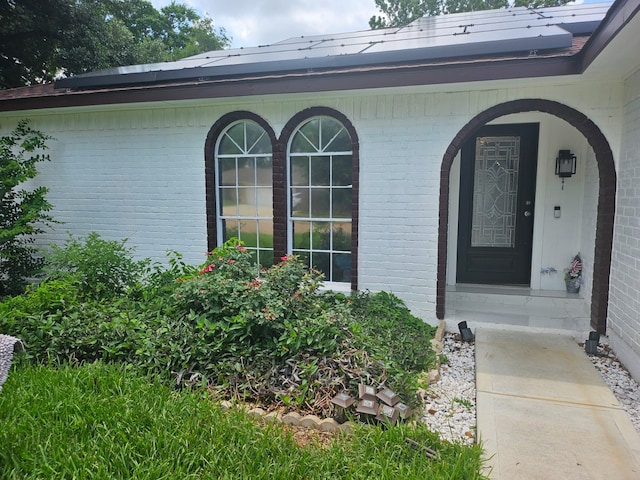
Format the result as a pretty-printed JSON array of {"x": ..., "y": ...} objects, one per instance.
[{"x": 545, "y": 413}]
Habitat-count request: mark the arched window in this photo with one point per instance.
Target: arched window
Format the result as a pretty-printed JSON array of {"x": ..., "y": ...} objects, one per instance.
[
  {"x": 319, "y": 166},
  {"x": 244, "y": 190}
]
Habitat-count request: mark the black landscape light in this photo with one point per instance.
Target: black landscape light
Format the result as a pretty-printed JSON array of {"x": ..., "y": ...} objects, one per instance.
[
  {"x": 465, "y": 332},
  {"x": 591, "y": 345}
]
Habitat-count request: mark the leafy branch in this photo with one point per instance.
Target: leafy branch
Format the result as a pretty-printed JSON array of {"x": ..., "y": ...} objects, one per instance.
[{"x": 22, "y": 211}]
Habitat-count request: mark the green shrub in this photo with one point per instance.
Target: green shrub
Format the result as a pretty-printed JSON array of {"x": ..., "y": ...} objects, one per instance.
[
  {"x": 276, "y": 339},
  {"x": 160, "y": 280},
  {"x": 385, "y": 328},
  {"x": 100, "y": 268},
  {"x": 281, "y": 311},
  {"x": 387, "y": 325},
  {"x": 30, "y": 316},
  {"x": 47, "y": 297},
  {"x": 21, "y": 210}
]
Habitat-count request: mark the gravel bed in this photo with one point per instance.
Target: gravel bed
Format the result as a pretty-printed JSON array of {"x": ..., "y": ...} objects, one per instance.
[
  {"x": 621, "y": 383},
  {"x": 450, "y": 404}
]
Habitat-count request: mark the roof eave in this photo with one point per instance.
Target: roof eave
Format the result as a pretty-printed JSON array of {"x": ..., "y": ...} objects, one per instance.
[
  {"x": 617, "y": 17},
  {"x": 309, "y": 81}
]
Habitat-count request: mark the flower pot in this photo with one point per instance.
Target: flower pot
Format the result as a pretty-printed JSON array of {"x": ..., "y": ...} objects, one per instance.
[{"x": 573, "y": 285}]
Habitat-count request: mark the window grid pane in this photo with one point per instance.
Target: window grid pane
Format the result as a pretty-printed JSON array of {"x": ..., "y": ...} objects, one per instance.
[
  {"x": 244, "y": 189},
  {"x": 320, "y": 198}
]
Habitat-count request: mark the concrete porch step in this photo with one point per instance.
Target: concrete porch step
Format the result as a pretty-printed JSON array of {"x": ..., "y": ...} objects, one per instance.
[{"x": 516, "y": 307}]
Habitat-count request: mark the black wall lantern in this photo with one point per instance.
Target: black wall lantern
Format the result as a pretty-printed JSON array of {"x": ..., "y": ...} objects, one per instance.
[{"x": 565, "y": 165}]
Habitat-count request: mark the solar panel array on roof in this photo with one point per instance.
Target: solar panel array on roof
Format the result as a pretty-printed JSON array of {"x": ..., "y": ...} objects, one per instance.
[{"x": 488, "y": 32}]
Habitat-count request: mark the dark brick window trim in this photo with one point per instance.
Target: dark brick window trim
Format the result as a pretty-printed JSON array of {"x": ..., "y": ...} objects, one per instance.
[
  {"x": 209, "y": 165},
  {"x": 279, "y": 162},
  {"x": 606, "y": 197}
]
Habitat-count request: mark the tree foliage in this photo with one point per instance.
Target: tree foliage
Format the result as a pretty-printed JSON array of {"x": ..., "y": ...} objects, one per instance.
[
  {"x": 41, "y": 39},
  {"x": 22, "y": 210},
  {"x": 402, "y": 12}
]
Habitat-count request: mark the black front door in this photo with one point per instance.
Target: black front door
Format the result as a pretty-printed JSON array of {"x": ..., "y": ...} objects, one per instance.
[{"x": 497, "y": 188}]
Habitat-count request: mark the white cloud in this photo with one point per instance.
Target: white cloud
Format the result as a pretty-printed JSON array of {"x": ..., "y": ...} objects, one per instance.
[{"x": 259, "y": 22}]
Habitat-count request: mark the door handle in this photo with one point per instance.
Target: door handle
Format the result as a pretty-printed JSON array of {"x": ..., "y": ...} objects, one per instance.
[{"x": 527, "y": 213}]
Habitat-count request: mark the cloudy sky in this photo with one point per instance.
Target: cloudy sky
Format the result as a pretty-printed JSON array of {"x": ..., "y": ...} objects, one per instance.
[{"x": 259, "y": 22}]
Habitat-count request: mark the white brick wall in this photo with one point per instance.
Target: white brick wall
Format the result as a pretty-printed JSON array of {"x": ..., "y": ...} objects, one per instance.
[
  {"x": 138, "y": 172},
  {"x": 624, "y": 300},
  {"x": 142, "y": 180}
]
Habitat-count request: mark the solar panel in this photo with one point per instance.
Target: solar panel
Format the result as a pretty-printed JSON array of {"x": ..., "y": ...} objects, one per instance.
[
  {"x": 306, "y": 39},
  {"x": 551, "y": 15},
  {"x": 321, "y": 49},
  {"x": 474, "y": 43},
  {"x": 488, "y": 32}
]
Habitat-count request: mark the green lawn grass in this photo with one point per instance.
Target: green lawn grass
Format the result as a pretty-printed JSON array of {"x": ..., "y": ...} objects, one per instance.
[{"x": 106, "y": 421}]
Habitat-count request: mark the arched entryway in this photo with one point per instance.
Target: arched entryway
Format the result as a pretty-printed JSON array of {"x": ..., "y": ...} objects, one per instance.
[{"x": 606, "y": 195}]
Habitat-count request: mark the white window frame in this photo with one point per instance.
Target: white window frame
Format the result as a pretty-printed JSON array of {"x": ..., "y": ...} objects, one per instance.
[
  {"x": 245, "y": 153},
  {"x": 328, "y": 283}
]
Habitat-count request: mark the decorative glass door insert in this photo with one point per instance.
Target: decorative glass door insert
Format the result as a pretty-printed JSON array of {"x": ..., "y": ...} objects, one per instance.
[{"x": 495, "y": 191}]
